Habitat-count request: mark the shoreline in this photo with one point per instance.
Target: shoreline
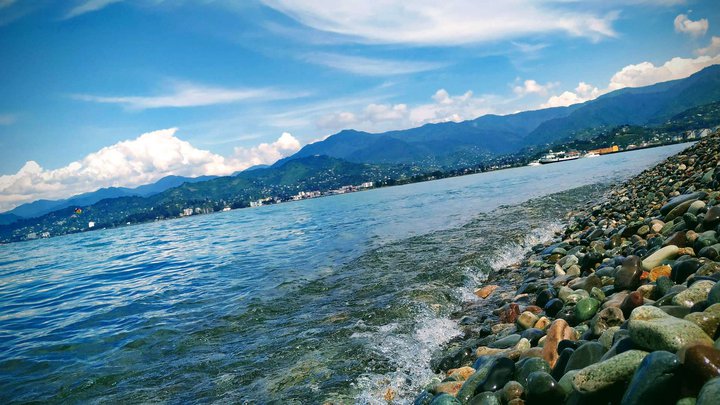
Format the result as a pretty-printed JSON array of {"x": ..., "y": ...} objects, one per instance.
[
  {"x": 401, "y": 182},
  {"x": 621, "y": 307}
]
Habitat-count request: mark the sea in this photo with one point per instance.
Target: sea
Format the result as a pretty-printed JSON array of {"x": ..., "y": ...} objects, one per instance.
[{"x": 328, "y": 300}]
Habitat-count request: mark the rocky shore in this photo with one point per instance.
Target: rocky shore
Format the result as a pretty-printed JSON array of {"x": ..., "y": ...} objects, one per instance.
[{"x": 623, "y": 307}]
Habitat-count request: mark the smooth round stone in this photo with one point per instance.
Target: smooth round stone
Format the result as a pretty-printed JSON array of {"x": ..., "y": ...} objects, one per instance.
[
  {"x": 526, "y": 320},
  {"x": 558, "y": 330},
  {"x": 585, "y": 355},
  {"x": 506, "y": 342},
  {"x": 652, "y": 328},
  {"x": 445, "y": 399},
  {"x": 586, "y": 283},
  {"x": 512, "y": 390},
  {"x": 710, "y": 393},
  {"x": 698, "y": 195},
  {"x": 565, "y": 382},
  {"x": 656, "y": 259},
  {"x": 708, "y": 320},
  {"x": 607, "y": 337},
  {"x": 484, "y": 398},
  {"x": 606, "y": 373},
  {"x": 483, "y": 365},
  {"x": 499, "y": 374},
  {"x": 655, "y": 381},
  {"x": 586, "y": 308},
  {"x": 702, "y": 361},
  {"x": 598, "y": 294},
  {"x": 544, "y": 296},
  {"x": 714, "y": 294},
  {"x": 559, "y": 369},
  {"x": 606, "y": 318},
  {"x": 527, "y": 366},
  {"x": 632, "y": 301},
  {"x": 543, "y": 389},
  {"x": 628, "y": 277},
  {"x": 663, "y": 286},
  {"x": 675, "y": 310},
  {"x": 712, "y": 217},
  {"x": 695, "y": 293},
  {"x": 564, "y": 293},
  {"x": 533, "y": 335}
]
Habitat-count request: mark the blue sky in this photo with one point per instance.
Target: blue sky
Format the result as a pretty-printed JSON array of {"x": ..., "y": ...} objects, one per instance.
[{"x": 97, "y": 93}]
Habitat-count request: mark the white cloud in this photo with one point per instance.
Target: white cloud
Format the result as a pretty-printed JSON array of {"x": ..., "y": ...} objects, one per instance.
[
  {"x": 638, "y": 75},
  {"x": 693, "y": 28},
  {"x": 451, "y": 22},
  {"x": 88, "y": 6},
  {"x": 711, "y": 50},
  {"x": 370, "y": 66},
  {"x": 583, "y": 92},
  {"x": 267, "y": 153},
  {"x": 381, "y": 117},
  {"x": 8, "y": 119},
  {"x": 131, "y": 163},
  {"x": 533, "y": 87},
  {"x": 185, "y": 94}
]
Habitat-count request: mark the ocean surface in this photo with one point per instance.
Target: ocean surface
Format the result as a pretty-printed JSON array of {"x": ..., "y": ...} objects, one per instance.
[{"x": 333, "y": 299}]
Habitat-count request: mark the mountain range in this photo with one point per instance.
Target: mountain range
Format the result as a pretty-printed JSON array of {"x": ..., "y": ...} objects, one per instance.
[
  {"x": 442, "y": 144},
  {"x": 41, "y": 207},
  {"x": 351, "y": 156}
]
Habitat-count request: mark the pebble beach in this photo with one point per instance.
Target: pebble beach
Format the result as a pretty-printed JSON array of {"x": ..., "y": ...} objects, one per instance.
[{"x": 622, "y": 307}]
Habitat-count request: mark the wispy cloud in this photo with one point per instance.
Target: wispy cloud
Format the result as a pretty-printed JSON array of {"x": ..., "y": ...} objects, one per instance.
[
  {"x": 88, "y": 6},
  {"x": 8, "y": 119},
  {"x": 370, "y": 66},
  {"x": 452, "y": 22},
  {"x": 185, "y": 94}
]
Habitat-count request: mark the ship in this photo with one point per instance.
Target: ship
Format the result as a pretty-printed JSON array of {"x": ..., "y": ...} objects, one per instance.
[{"x": 553, "y": 157}]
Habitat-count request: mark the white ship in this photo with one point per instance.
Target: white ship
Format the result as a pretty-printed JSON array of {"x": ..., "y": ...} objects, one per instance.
[{"x": 553, "y": 157}]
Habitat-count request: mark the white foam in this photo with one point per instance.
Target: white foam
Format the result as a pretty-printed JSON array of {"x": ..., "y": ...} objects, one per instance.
[
  {"x": 410, "y": 354},
  {"x": 514, "y": 252}
]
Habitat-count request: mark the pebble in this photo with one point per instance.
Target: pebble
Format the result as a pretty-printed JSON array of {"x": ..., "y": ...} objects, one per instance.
[
  {"x": 604, "y": 374},
  {"x": 652, "y": 328},
  {"x": 655, "y": 381}
]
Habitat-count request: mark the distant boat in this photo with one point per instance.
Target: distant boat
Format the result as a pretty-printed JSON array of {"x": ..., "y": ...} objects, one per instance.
[
  {"x": 554, "y": 157},
  {"x": 591, "y": 155},
  {"x": 534, "y": 163}
]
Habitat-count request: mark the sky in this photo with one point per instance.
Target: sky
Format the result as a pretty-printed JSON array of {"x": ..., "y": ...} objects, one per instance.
[{"x": 99, "y": 93}]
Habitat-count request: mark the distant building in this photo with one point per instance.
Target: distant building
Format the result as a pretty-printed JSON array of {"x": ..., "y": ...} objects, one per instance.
[
  {"x": 186, "y": 212},
  {"x": 603, "y": 151},
  {"x": 367, "y": 184},
  {"x": 91, "y": 224},
  {"x": 226, "y": 209}
]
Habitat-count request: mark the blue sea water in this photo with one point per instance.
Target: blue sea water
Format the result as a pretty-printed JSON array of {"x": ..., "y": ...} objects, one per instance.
[{"x": 332, "y": 299}]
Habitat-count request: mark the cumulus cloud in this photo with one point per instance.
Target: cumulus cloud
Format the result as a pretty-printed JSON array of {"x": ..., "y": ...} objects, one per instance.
[
  {"x": 186, "y": 94},
  {"x": 693, "y": 28},
  {"x": 370, "y": 66},
  {"x": 267, "y": 153},
  {"x": 379, "y": 117},
  {"x": 711, "y": 50},
  {"x": 451, "y": 22},
  {"x": 583, "y": 92},
  {"x": 639, "y": 75},
  {"x": 142, "y": 160},
  {"x": 533, "y": 87}
]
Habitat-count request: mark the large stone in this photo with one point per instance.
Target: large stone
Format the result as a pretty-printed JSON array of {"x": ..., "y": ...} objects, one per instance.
[
  {"x": 605, "y": 319},
  {"x": 694, "y": 294},
  {"x": 656, "y": 259},
  {"x": 702, "y": 361},
  {"x": 586, "y": 308},
  {"x": 652, "y": 328},
  {"x": 606, "y": 373},
  {"x": 543, "y": 389},
  {"x": 445, "y": 399},
  {"x": 558, "y": 330},
  {"x": 709, "y": 393},
  {"x": 526, "y": 320},
  {"x": 585, "y": 355},
  {"x": 708, "y": 320},
  {"x": 528, "y": 366},
  {"x": 665, "y": 209},
  {"x": 632, "y": 301},
  {"x": 628, "y": 277},
  {"x": 655, "y": 381},
  {"x": 485, "y": 291}
]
